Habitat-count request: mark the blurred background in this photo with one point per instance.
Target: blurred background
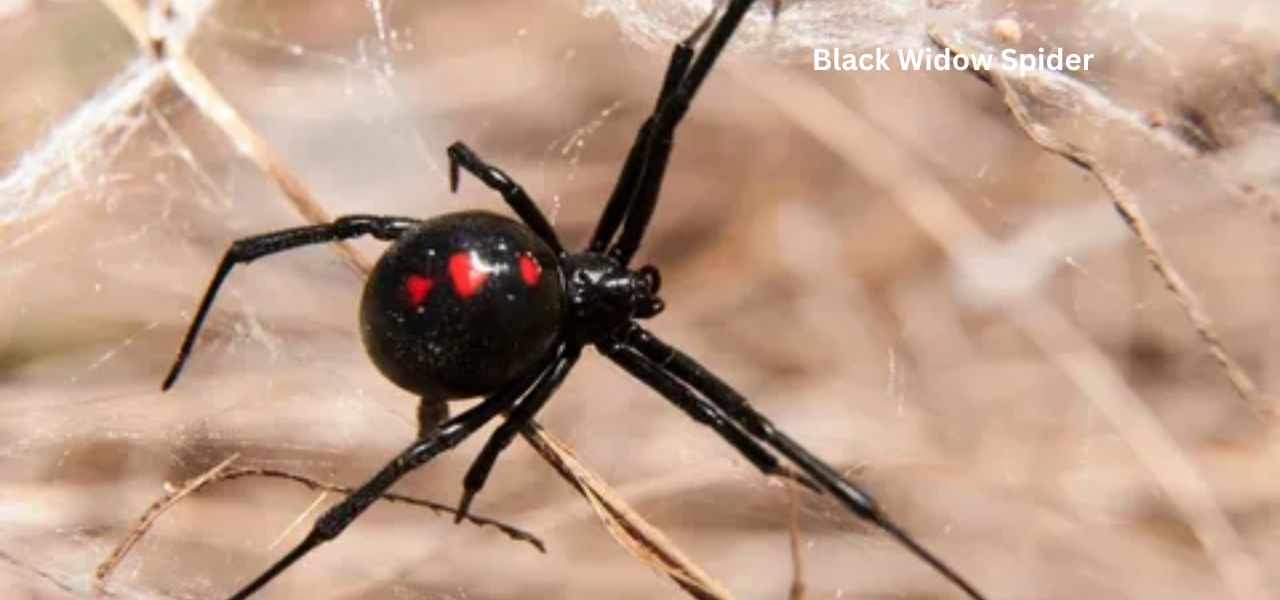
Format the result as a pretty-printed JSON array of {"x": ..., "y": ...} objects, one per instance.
[{"x": 884, "y": 263}]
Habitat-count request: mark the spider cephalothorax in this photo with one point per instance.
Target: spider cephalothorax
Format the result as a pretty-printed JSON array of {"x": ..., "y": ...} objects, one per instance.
[
  {"x": 603, "y": 295},
  {"x": 475, "y": 304}
]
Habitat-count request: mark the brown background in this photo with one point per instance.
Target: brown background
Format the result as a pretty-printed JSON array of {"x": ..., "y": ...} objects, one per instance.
[{"x": 817, "y": 235}]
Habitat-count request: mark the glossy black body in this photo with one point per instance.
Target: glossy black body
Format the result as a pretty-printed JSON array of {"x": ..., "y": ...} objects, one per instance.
[
  {"x": 603, "y": 296},
  {"x": 455, "y": 341}
]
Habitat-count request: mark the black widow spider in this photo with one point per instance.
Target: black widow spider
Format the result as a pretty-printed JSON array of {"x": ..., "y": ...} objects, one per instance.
[{"x": 475, "y": 304}]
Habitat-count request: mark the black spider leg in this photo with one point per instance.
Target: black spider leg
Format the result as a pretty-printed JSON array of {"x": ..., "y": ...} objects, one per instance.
[
  {"x": 337, "y": 518},
  {"x": 644, "y": 193},
  {"x": 566, "y": 356},
  {"x": 460, "y": 156},
  {"x": 675, "y": 363},
  {"x": 700, "y": 410},
  {"x": 624, "y": 189},
  {"x": 246, "y": 250}
]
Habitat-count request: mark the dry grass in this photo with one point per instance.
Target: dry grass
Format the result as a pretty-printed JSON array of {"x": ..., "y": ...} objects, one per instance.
[{"x": 885, "y": 262}]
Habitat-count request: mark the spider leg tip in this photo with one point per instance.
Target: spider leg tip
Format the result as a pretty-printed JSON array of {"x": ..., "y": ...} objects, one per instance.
[
  {"x": 453, "y": 175},
  {"x": 455, "y": 149},
  {"x": 463, "y": 505}
]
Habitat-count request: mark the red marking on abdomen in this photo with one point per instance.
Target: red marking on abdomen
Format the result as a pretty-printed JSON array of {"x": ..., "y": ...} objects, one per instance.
[
  {"x": 416, "y": 288},
  {"x": 529, "y": 270},
  {"x": 466, "y": 278}
]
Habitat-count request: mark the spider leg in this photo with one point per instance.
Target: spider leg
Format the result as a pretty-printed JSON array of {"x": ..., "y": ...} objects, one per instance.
[
  {"x": 337, "y": 518},
  {"x": 736, "y": 407},
  {"x": 567, "y": 356},
  {"x": 624, "y": 189},
  {"x": 644, "y": 191},
  {"x": 699, "y": 410},
  {"x": 460, "y": 156},
  {"x": 246, "y": 250}
]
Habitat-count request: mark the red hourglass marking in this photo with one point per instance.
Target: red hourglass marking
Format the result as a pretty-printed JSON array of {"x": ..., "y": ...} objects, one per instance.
[
  {"x": 529, "y": 270},
  {"x": 417, "y": 287},
  {"x": 466, "y": 278}
]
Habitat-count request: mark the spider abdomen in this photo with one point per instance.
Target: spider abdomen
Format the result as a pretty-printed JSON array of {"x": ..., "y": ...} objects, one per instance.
[{"x": 461, "y": 304}]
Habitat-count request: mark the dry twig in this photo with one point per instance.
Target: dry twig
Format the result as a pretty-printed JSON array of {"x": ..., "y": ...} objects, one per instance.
[
  {"x": 1127, "y": 206},
  {"x": 149, "y": 517},
  {"x": 512, "y": 532},
  {"x": 632, "y": 532},
  {"x": 1096, "y": 104},
  {"x": 167, "y": 43},
  {"x": 224, "y": 472}
]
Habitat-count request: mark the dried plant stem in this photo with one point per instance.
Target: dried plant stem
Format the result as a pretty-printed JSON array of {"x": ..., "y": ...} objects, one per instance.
[
  {"x": 149, "y": 517},
  {"x": 1060, "y": 89},
  {"x": 632, "y": 532},
  {"x": 170, "y": 50},
  {"x": 225, "y": 472},
  {"x": 512, "y": 532},
  {"x": 879, "y": 159},
  {"x": 627, "y": 527},
  {"x": 1127, "y": 206}
]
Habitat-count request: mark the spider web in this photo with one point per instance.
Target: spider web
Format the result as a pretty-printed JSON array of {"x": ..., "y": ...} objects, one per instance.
[{"x": 879, "y": 314}]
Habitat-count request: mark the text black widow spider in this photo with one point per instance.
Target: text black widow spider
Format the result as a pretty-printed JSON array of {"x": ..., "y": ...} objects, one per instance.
[{"x": 475, "y": 304}]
